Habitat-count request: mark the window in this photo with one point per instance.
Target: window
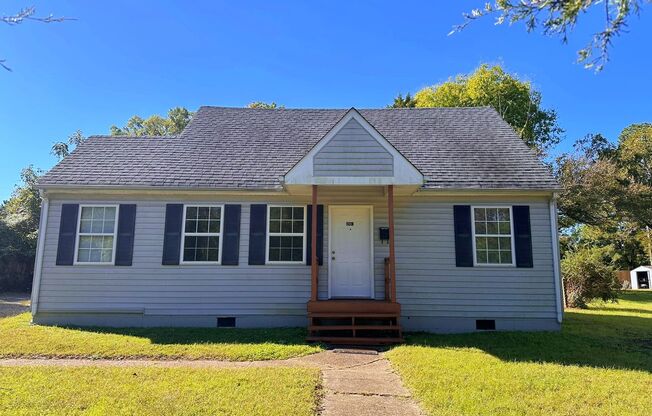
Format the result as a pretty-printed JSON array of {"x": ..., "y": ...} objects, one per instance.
[
  {"x": 286, "y": 230},
  {"x": 492, "y": 236},
  {"x": 96, "y": 231},
  {"x": 202, "y": 234}
]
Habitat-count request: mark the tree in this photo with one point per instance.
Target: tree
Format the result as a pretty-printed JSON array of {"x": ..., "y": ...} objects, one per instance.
[
  {"x": 559, "y": 17},
  {"x": 400, "y": 102},
  {"x": 586, "y": 277},
  {"x": 515, "y": 100},
  {"x": 63, "y": 148},
  {"x": 19, "y": 219},
  {"x": 25, "y": 15},
  {"x": 261, "y": 104},
  {"x": 155, "y": 125}
]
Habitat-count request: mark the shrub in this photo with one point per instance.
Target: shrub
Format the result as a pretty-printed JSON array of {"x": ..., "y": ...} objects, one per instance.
[{"x": 587, "y": 277}]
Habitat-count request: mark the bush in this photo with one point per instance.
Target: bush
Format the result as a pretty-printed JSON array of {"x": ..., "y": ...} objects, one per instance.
[{"x": 587, "y": 277}]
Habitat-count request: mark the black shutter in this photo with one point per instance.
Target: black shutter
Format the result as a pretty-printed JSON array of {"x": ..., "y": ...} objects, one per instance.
[
  {"x": 257, "y": 233},
  {"x": 231, "y": 235},
  {"x": 522, "y": 236},
  {"x": 320, "y": 235},
  {"x": 463, "y": 236},
  {"x": 67, "y": 234},
  {"x": 172, "y": 236},
  {"x": 124, "y": 248}
]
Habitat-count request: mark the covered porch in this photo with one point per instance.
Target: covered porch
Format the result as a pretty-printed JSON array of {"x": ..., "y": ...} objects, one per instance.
[{"x": 351, "y": 317}]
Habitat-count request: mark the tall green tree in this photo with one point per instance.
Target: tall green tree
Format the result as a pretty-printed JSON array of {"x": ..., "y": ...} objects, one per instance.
[
  {"x": 177, "y": 119},
  {"x": 401, "y": 102},
  {"x": 262, "y": 104},
  {"x": 559, "y": 18},
  {"x": 19, "y": 218},
  {"x": 514, "y": 99}
]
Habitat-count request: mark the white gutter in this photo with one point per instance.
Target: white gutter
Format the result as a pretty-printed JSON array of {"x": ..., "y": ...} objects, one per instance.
[
  {"x": 554, "y": 233},
  {"x": 40, "y": 248}
]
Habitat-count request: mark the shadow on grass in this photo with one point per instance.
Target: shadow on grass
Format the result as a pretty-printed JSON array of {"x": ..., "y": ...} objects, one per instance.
[
  {"x": 603, "y": 341},
  {"x": 187, "y": 336}
]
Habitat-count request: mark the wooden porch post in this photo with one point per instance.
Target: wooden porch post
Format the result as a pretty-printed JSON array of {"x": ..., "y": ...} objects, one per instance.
[
  {"x": 314, "y": 264},
  {"x": 392, "y": 257}
]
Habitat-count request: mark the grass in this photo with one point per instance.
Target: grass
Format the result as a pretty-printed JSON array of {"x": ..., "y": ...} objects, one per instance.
[
  {"x": 157, "y": 391},
  {"x": 599, "y": 364},
  {"x": 19, "y": 338}
]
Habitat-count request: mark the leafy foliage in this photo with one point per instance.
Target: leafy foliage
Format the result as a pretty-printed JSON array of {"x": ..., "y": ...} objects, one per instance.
[
  {"x": 514, "y": 99},
  {"x": 261, "y": 104},
  {"x": 559, "y": 17},
  {"x": 587, "y": 277},
  {"x": 19, "y": 218},
  {"x": 400, "y": 102},
  {"x": 155, "y": 125},
  {"x": 63, "y": 148}
]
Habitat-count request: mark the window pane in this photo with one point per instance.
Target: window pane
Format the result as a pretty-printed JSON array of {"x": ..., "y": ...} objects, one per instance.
[
  {"x": 286, "y": 242},
  {"x": 274, "y": 254},
  {"x": 298, "y": 213},
  {"x": 203, "y": 212},
  {"x": 109, "y": 213},
  {"x": 201, "y": 254},
  {"x": 108, "y": 226},
  {"x": 492, "y": 214},
  {"x": 274, "y": 226},
  {"x": 275, "y": 213},
  {"x": 504, "y": 228},
  {"x": 275, "y": 242},
  {"x": 297, "y": 227},
  {"x": 106, "y": 255},
  {"x": 492, "y": 243},
  {"x": 87, "y": 213},
  {"x": 191, "y": 226},
  {"x": 506, "y": 257},
  {"x": 479, "y": 214},
  {"x": 85, "y": 226},
  {"x": 481, "y": 243},
  {"x": 107, "y": 242},
  {"x": 493, "y": 257},
  {"x": 286, "y": 213},
  {"x": 202, "y": 226},
  {"x": 286, "y": 226},
  {"x": 191, "y": 212},
  {"x": 85, "y": 241},
  {"x": 503, "y": 214},
  {"x": 505, "y": 243},
  {"x": 481, "y": 256},
  {"x": 481, "y": 228},
  {"x": 286, "y": 254},
  {"x": 297, "y": 242},
  {"x": 297, "y": 254},
  {"x": 84, "y": 255},
  {"x": 190, "y": 242},
  {"x": 96, "y": 255},
  {"x": 97, "y": 226},
  {"x": 492, "y": 228},
  {"x": 214, "y": 226},
  {"x": 216, "y": 213},
  {"x": 189, "y": 254}
]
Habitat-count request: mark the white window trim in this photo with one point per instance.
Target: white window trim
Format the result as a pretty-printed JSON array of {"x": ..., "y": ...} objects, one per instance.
[
  {"x": 511, "y": 235},
  {"x": 184, "y": 234},
  {"x": 78, "y": 234},
  {"x": 304, "y": 234}
]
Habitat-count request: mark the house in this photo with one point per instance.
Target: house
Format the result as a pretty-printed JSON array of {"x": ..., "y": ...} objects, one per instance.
[
  {"x": 641, "y": 277},
  {"x": 357, "y": 223}
]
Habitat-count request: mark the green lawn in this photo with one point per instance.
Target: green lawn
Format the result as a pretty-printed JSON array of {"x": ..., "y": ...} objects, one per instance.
[
  {"x": 157, "y": 391},
  {"x": 599, "y": 364},
  {"x": 18, "y": 338}
]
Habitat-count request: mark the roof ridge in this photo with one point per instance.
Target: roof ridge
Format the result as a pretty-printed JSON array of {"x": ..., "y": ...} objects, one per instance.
[{"x": 341, "y": 108}]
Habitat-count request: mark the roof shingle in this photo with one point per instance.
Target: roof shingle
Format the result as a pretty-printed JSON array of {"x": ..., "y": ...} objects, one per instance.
[{"x": 242, "y": 148}]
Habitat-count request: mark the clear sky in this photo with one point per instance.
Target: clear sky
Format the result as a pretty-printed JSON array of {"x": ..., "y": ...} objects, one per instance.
[{"x": 121, "y": 58}]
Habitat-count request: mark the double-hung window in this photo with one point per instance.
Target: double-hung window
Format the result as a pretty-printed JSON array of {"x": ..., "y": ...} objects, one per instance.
[
  {"x": 493, "y": 242},
  {"x": 286, "y": 231},
  {"x": 202, "y": 234},
  {"x": 96, "y": 234}
]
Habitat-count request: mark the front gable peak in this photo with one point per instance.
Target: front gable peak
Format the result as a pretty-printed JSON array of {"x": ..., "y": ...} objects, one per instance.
[{"x": 353, "y": 152}]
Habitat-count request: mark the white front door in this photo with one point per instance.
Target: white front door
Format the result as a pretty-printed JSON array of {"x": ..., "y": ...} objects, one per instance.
[{"x": 350, "y": 260}]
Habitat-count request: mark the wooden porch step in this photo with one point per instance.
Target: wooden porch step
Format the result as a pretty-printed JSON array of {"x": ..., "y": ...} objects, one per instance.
[
  {"x": 354, "y": 307},
  {"x": 354, "y": 327},
  {"x": 349, "y": 315},
  {"x": 355, "y": 340}
]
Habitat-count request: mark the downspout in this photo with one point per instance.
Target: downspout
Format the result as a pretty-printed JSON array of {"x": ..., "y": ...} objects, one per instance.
[
  {"x": 554, "y": 233},
  {"x": 40, "y": 248}
]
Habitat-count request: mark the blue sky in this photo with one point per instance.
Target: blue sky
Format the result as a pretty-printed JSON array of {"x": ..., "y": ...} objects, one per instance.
[{"x": 121, "y": 58}]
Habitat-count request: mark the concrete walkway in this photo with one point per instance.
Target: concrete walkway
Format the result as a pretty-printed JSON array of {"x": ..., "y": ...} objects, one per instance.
[{"x": 355, "y": 382}]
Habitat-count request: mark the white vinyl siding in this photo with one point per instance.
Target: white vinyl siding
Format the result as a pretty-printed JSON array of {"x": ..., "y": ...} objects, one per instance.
[{"x": 96, "y": 234}]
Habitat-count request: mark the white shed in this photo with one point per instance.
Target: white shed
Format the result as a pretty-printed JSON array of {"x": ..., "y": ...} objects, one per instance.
[{"x": 641, "y": 277}]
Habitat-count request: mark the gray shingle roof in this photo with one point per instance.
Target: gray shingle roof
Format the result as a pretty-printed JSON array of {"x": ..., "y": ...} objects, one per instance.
[{"x": 454, "y": 148}]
